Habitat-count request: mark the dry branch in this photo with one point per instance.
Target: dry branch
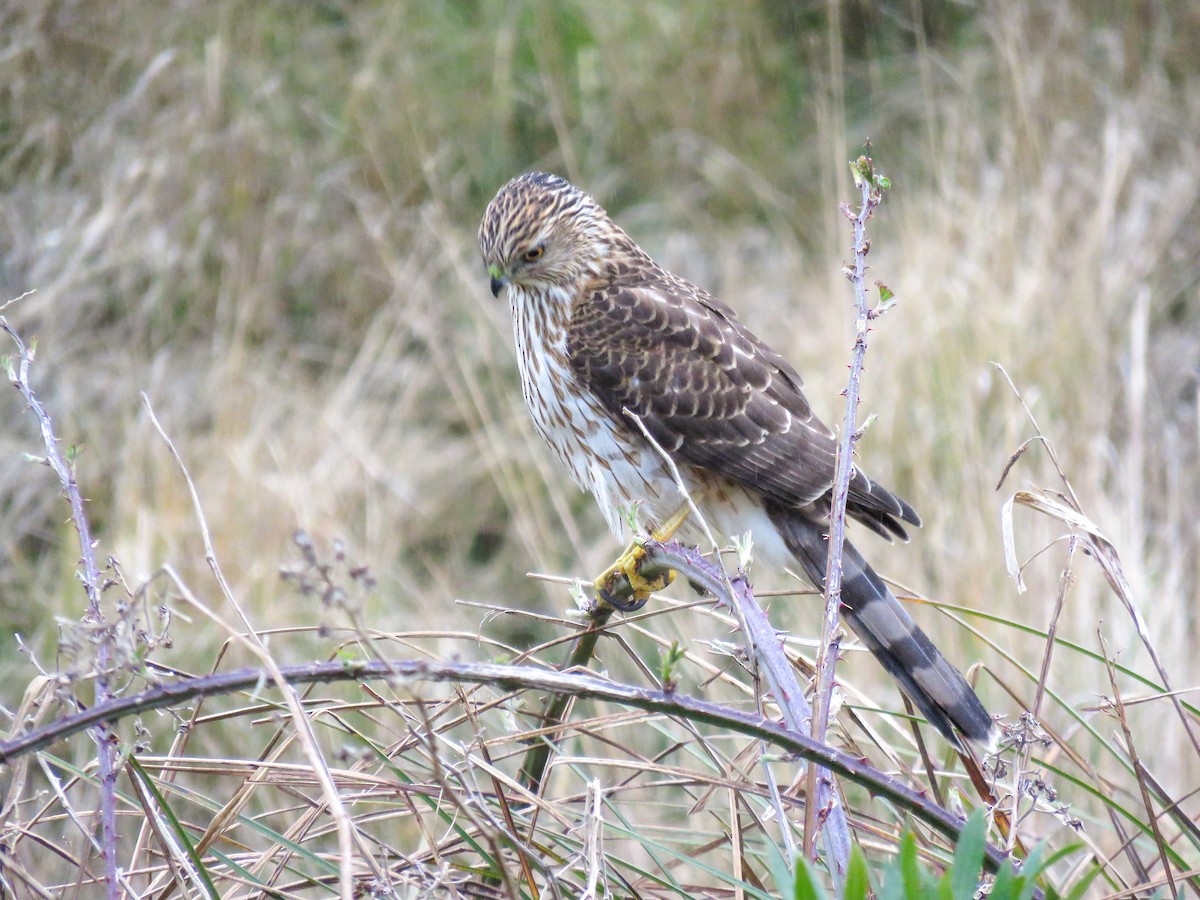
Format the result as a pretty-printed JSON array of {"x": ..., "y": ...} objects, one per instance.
[
  {"x": 504, "y": 677},
  {"x": 89, "y": 574},
  {"x": 872, "y": 194}
]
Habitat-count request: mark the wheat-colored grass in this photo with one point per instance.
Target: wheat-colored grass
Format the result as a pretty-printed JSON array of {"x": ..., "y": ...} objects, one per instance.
[{"x": 263, "y": 217}]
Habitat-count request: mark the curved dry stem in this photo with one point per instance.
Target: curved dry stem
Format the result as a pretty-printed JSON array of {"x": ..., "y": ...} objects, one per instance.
[{"x": 505, "y": 677}]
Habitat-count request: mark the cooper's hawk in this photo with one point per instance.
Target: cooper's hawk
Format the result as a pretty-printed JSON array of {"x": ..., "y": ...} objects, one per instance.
[{"x": 609, "y": 343}]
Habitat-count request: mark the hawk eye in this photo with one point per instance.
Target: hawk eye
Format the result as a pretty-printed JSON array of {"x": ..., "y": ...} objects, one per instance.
[{"x": 533, "y": 254}]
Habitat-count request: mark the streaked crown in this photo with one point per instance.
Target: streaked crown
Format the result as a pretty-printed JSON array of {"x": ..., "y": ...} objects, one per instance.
[{"x": 541, "y": 232}]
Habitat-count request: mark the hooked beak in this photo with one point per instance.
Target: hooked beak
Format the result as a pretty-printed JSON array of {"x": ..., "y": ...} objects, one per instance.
[{"x": 498, "y": 279}]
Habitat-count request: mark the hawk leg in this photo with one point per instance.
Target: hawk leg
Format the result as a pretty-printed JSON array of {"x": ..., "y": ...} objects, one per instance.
[{"x": 628, "y": 565}]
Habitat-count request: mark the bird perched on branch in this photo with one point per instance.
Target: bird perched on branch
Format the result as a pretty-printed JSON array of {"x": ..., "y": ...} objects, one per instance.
[{"x": 624, "y": 365}]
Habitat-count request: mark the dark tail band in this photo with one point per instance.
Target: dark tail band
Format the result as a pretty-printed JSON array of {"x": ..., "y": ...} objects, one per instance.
[{"x": 884, "y": 625}]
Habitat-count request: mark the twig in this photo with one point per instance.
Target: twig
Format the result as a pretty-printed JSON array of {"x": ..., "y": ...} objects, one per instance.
[
  {"x": 1064, "y": 584},
  {"x": 537, "y": 759},
  {"x": 764, "y": 653},
  {"x": 871, "y": 187},
  {"x": 508, "y": 678},
  {"x": 533, "y": 767},
  {"x": 348, "y": 836},
  {"x": 926, "y": 760},
  {"x": 676, "y": 478},
  {"x": 763, "y": 650},
  {"x": 1067, "y": 509},
  {"x": 1135, "y": 761},
  {"x": 106, "y": 742},
  {"x": 773, "y": 664}
]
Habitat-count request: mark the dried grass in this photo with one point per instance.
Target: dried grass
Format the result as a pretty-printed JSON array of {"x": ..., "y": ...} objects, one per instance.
[{"x": 263, "y": 216}]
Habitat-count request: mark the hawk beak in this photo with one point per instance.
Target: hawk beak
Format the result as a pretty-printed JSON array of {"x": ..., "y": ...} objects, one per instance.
[{"x": 498, "y": 279}]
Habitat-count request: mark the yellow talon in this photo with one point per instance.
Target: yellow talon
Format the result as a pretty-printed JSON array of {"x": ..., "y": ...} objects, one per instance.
[{"x": 628, "y": 566}]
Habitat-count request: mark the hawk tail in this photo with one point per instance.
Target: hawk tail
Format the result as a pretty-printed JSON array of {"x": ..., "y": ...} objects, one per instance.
[{"x": 882, "y": 623}]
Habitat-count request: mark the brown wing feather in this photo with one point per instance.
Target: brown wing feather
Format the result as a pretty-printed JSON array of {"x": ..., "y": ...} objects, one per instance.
[{"x": 712, "y": 394}]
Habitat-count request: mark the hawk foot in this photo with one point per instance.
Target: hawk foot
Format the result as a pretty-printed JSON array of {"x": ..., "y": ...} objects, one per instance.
[{"x": 624, "y": 587}]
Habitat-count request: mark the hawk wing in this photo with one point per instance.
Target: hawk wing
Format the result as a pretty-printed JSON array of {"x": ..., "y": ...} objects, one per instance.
[{"x": 713, "y": 395}]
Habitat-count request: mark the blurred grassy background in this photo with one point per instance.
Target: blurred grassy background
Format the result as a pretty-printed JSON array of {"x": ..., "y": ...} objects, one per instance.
[{"x": 263, "y": 214}]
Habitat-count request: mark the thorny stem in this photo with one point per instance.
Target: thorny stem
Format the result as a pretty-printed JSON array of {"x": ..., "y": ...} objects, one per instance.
[
  {"x": 506, "y": 678},
  {"x": 872, "y": 194},
  {"x": 764, "y": 641},
  {"x": 90, "y": 576}
]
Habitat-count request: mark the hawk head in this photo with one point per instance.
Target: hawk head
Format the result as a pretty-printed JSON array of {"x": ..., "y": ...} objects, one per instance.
[{"x": 540, "y": 232}]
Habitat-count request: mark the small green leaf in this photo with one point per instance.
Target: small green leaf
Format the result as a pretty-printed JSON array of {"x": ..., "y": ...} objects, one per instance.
[
  {"x": 857, "y": 171},
  {"x": 1003, "y": 887},
  {"x": 1084, "y": 883},
  {"x": 968, "y": 857},
  {"x": 856, "y": 876},
  {"x": 181, "y": 834},
  {"x": 780, "y": 869},
  {"x": 805, "y": 886},
  {"x": 630, "y": 514},
  {"x": 892, "y": 882},
  {"x": 669, "y": 658},
  {"x": 1027, "y": 880},
  {"x": 916, "y": 882}
]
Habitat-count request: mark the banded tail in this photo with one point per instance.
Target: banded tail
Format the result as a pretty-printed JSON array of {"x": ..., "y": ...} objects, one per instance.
[{"x": 881, "y": 622}]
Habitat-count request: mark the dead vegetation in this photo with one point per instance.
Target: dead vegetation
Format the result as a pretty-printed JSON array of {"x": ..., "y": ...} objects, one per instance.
[{"x": 262, "y": 216}]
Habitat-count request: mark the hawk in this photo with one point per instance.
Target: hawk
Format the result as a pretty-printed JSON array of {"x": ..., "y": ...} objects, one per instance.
[{"x": 614, "y": 351}]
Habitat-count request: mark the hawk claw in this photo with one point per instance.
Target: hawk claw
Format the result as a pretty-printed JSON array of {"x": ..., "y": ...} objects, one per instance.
[
  {"x": 635, "y": 587},
  {"x": 633, "y": 604}
]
